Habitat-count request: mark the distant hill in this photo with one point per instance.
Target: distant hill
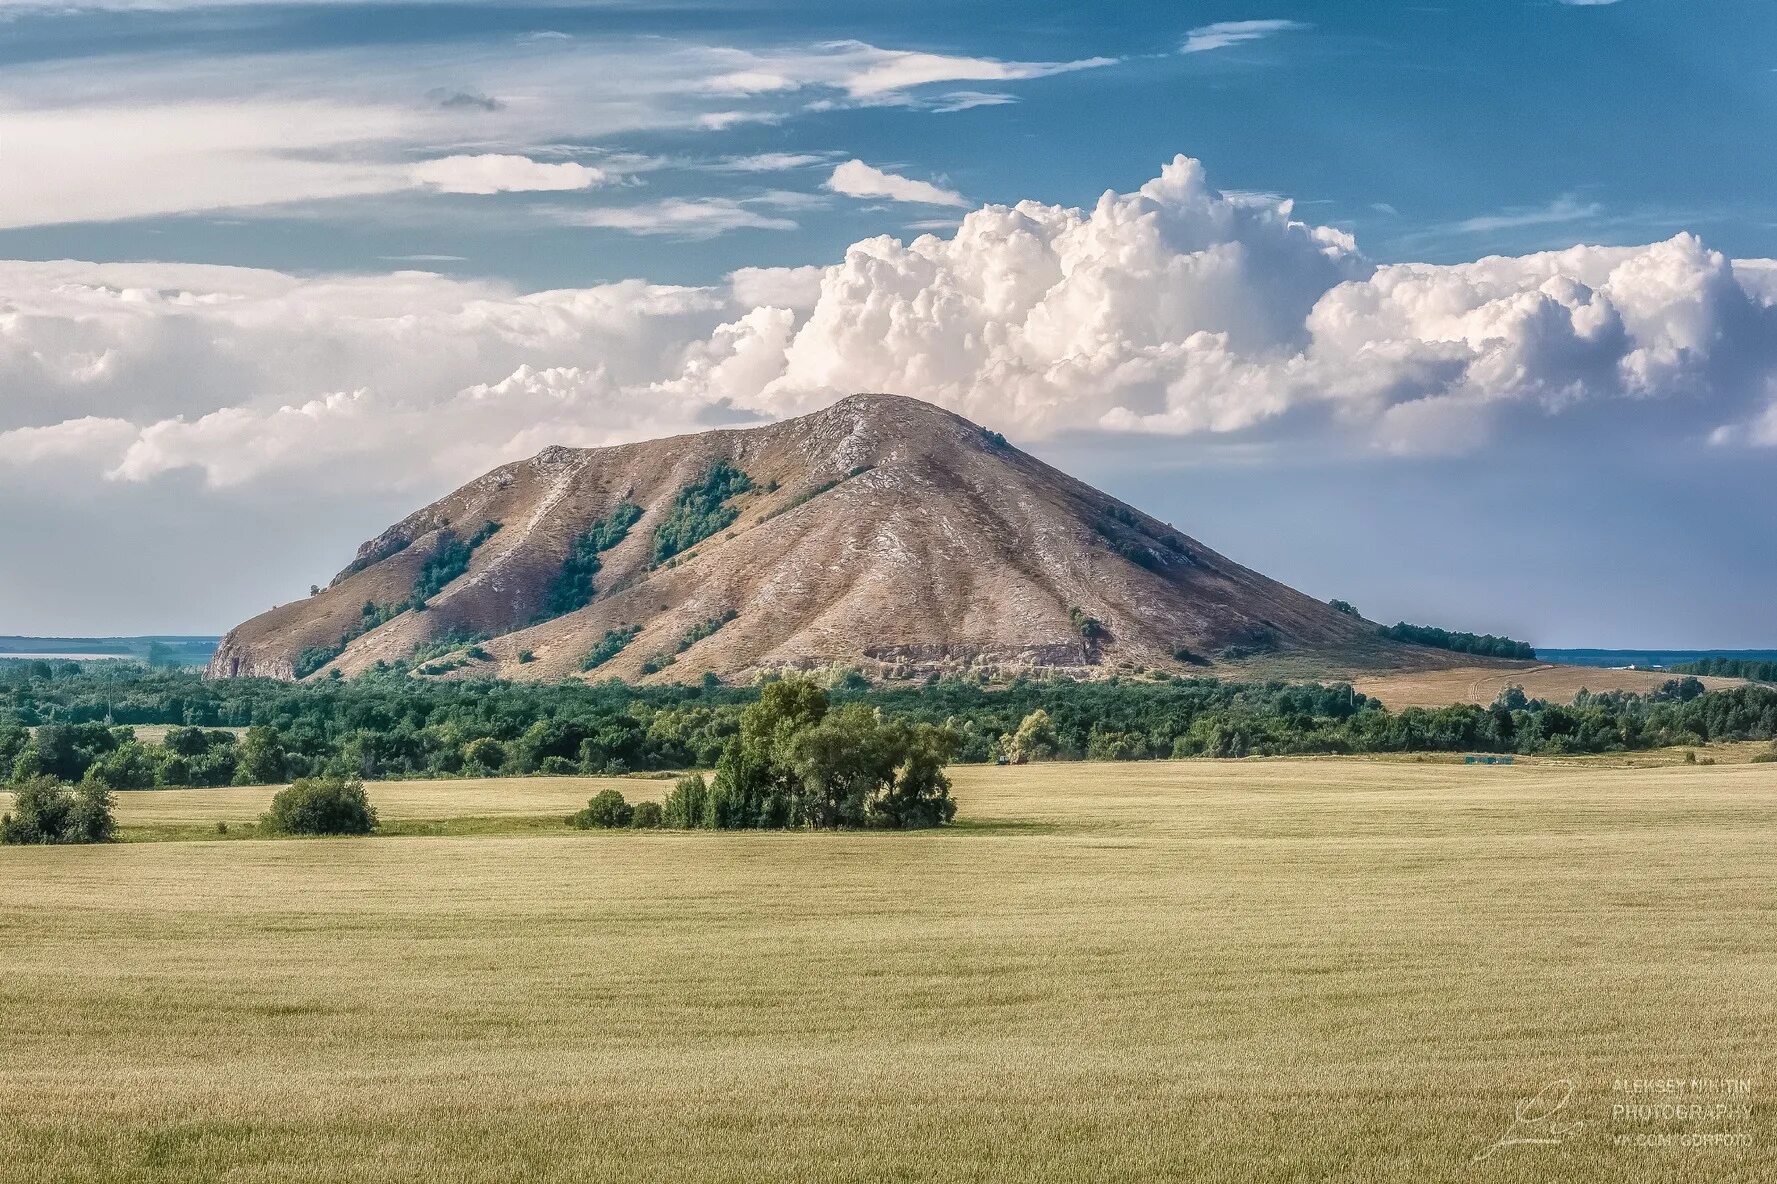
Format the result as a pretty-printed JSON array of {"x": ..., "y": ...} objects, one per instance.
[
  {"x": 881, "y": 533},
  {"x": 158, "y": 650}
]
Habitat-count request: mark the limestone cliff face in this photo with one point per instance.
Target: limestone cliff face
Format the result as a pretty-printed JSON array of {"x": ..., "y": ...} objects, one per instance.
[{"x": 880, "y": 533}]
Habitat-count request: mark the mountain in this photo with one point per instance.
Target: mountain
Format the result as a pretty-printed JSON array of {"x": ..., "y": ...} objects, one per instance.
[{"x": 881, "y": 533}]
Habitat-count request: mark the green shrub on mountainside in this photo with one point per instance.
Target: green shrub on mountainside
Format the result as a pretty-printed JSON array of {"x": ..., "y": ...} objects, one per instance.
[
  {"x": 610, "y": 645},
  {"x": 574, "y": 588},
  {"x": 448, "y": 561},
  {"x": 700, "y": 510}
]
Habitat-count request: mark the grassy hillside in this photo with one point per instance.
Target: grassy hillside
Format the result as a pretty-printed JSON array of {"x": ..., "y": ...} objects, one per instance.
[{"x": 1200, "y": 971}]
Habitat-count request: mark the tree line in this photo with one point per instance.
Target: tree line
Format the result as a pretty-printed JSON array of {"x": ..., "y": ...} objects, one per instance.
[
  {"x": 72, "y": 722},
  {"x": 1747, "y": 668},
  {"x": 1484, "y": 644}
]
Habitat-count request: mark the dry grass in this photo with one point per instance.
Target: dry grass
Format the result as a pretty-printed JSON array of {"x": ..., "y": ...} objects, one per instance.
[
  {"x": 1482, "y": 684},
  {"x": 1287, "y": 970}
]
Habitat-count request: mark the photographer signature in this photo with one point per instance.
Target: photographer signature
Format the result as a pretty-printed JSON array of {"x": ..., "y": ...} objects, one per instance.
[{"x": 1536, "y": 1120}]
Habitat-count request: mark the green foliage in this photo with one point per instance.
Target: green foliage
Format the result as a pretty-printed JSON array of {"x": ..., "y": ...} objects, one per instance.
[
  {"x": 1033, "y": 741},
  {"x": 704, "y": 629},
  {"x": 1484, "y": 644},
  {"x": 605, "y": 810},
  {"x": 1750, "y": 669},
  {"x": 574, "y": 586},
  {"x": 483, "y": 757},
  {"x": 448, "y": 561},
  {"x": 371, "y": 616},
  {"x": 610, "y": 645},
  {"x": 700, "y": 510},
  {"x": 389, "y": 725},
  {"x": 1344, "y": 606},
  {"x": 262, "y": 760},
  {"x": 798, "y": 762},
  {"x": 1189, "y": 656},
  {"x": 994, "y": 438},
  {"x": 687, "y": 805},
  {"x": 313, "y": 657},
  {"x": 809, "y": 495},
  {"x": 320, "y": 806},
  {"x": 1090, "y": 628},
  {"x": 1139, "y": 555},
  {"x": 128, "y": 766},
  {"x": 46, "y": 811},
  {"x": 647, "y": 816},
  {"x": 1250, "y": 642}
]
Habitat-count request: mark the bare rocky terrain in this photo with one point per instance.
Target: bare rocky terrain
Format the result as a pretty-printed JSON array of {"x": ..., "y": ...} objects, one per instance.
[{"x": 880, "y": 533}]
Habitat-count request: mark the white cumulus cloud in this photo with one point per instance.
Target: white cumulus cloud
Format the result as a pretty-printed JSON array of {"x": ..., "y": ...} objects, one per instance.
[
  {"x": 501, "y": 173},
  {"x": 854, "y": 178},
  {"x": 1175, "y": 309}
]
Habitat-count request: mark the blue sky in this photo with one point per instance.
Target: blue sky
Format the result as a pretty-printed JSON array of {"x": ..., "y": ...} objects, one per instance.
[
  {"x": 1433, "y": 131},
  {"x": 1303, "y": 398}
]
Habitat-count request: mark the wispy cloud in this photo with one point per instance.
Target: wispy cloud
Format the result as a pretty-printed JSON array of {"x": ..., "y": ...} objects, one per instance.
[
  {"x": 875, "y": 73},
  {"x": 686, "y": 218},
  {"x": 1566, "y": 208},
  {"x": 1222, "y": 34},
  {"x": 963, "y": 100},
  {"x": 854, "y": 178},
  {"x": 137, "y": 135},
  {"x": 771, "y": 162}
]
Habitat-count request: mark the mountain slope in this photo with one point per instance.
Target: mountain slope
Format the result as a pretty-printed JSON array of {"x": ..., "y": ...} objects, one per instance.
[{"x": 881, "y": 533}]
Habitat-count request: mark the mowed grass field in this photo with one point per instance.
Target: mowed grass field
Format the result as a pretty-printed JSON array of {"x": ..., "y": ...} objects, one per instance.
[{"x": 1202, "y": 971}]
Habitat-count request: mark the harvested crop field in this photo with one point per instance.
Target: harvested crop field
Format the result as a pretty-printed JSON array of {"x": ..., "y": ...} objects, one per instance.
[{"x": 1291, "y": 970}]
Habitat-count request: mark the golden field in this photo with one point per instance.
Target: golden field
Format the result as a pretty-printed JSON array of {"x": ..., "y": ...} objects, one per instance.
[{"x": 1279, "y": 970}]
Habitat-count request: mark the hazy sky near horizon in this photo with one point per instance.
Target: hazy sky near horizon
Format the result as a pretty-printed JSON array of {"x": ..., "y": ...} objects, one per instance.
[{"x": 1464, "y": 313}]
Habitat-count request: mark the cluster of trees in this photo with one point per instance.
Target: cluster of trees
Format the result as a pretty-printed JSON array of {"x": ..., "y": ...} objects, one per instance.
[
  {"x": 112, "y": 757},
  {"x": 448, "y": 560},
  {"x": 1485, "y": 644},
  {"x": 46, "y": 811},
  {"x": 614, "y": 642},
  {"x": 700, "y": 510},
  {"x": 693, "y": 635},
  {"x": 389, "y": 725},
  {"x": 574, "y": 588},
  {"x": 797, "y": 761},
  {"x": 1749, "y": 668},
  {"x": 1140, "y": 540}
]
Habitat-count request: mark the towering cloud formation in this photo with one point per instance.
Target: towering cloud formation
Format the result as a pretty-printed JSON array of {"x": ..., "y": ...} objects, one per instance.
[{"x": 1174, "y": 309}]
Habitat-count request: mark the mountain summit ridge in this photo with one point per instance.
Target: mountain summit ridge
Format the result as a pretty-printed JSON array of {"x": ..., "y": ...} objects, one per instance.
[{"x": 880, "y": 532}]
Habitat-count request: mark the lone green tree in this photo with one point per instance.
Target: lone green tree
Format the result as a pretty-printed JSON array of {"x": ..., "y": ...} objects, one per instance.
[
  {"x": 798, "y": 762},
  {"x": 321, "y": 806}
]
